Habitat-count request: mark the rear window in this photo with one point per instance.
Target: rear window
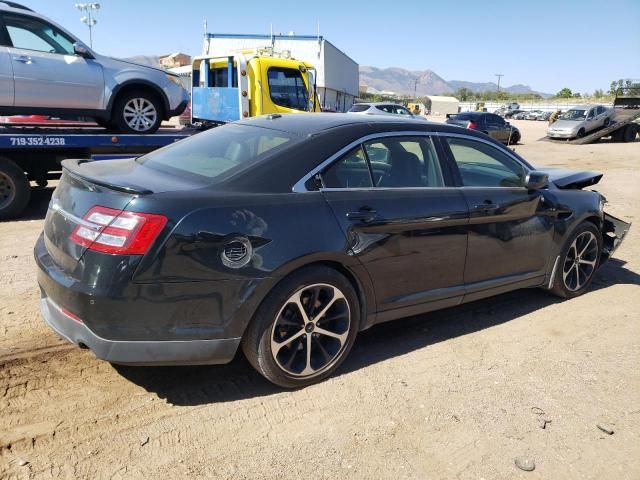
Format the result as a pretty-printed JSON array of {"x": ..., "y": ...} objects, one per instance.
[
  {"x": 219, "y": 152},
  {"x": 461, "y": 116},
  {"x": 359, "y": 108}
]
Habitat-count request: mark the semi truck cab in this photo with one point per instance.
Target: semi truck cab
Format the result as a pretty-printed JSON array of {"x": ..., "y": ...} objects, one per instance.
[{"x": 250, "y": 83}]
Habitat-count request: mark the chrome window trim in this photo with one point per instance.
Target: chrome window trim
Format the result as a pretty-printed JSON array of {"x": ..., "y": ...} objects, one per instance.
[{"x": 299, "y": 186}]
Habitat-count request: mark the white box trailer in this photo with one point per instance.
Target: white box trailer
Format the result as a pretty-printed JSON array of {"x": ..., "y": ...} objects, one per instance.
[{"x": 337, "y": 74}]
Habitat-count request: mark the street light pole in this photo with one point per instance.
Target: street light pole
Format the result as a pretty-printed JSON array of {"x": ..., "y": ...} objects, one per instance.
[{"x": 89, "y": 11}]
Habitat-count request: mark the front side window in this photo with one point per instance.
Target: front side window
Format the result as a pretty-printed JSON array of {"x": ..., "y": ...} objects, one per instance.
[
  {"x": 390, "y": 162},
  {"x": 287, "y": 88},
  {"x": 33, "y": 34},
  {"x": 217, "y": 153},
  {"x": 482, "y": 165}
]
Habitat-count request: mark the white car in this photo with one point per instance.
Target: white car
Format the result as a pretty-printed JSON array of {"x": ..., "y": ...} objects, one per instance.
[
  {"x": 382, "y": 108},
  {"x": 579, "y": 121}
]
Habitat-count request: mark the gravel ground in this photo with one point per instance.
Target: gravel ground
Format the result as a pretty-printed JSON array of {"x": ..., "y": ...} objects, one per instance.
[{"x": 459, "y": 393}]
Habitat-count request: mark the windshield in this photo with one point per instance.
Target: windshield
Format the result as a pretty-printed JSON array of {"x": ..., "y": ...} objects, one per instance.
[
  {"x": 574, "y": 115},
  {"x": 217, "y": 153}
]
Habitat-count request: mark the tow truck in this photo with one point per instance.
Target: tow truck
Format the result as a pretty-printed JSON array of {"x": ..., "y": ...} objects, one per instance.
[
  {"x": 224, "y": 89},
  {"x": 251, "y": 82},
  {"x": 624, "y": 125}
]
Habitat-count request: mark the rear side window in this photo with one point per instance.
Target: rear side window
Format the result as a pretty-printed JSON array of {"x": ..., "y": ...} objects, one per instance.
[
  {"x": 351, "y": 171},
  {"x": 393, "y": 162},
  {"x": 218, "y": 153},
  {"x": 359, "y": 108},
  {"x": 33, "y": 34},
  {"x": 287, "y": 88}
]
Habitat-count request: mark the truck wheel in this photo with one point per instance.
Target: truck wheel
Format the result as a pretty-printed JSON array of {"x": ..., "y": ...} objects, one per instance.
[
  {"x": 15, "y": 190},
  {"x": 630, "y": 132},
  {"x": 137, "y": 112},
  {"x": 617, "y": 136}
]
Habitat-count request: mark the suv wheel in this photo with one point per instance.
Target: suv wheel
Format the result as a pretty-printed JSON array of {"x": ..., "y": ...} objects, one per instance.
[{"x": 137, "y": 112}]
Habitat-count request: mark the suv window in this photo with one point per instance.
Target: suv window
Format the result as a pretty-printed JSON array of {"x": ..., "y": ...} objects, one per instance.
[
  {"x": 386, "y": 108},
  {"x": 362, "y": 107},
  {"x": 392, "y": 162},
  {"x": 34, "y": 34},
  {"x": 287, "y": 88},
  {"x": 402, "y": 111},
  {"x": 495, "y": 120},
  {"x": 482, "y": 165}
]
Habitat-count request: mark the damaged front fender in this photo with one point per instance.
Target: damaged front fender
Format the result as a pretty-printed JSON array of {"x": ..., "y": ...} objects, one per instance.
[{"x": 613, "y": 232}]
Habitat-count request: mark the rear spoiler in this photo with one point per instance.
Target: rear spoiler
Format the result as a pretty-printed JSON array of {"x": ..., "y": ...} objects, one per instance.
[{"x": 72, "y": 167}]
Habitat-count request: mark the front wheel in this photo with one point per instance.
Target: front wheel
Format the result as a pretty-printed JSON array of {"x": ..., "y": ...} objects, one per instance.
[
  {"x": 606, "y": 122},
  {"x": 581, "y": 133},
  {"x": 137, "y": 112},
  {"x": 305, "y": 328},
  {"x": 579, "y": 260}
]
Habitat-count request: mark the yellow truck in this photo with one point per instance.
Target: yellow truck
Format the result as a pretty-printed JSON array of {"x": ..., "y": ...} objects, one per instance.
[{"x": 250, "y": 83}]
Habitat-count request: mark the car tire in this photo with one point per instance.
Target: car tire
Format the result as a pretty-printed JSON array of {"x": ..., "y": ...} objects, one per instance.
[
  {"x": 579, "y": 261},
  {"x": 629, "y": 133},
  {"x": 137, "y": 112},
  {"x": 581, "y": 133},
  {"x": 606, "y": 123},
  {"x": 280, "y": 323},
  {"x": 515, "y": 139},
  {"x": 15, "y": 190}
]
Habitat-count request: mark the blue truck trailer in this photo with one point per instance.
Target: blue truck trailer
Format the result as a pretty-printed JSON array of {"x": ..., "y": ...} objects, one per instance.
[{"x": 30, "y": 156}]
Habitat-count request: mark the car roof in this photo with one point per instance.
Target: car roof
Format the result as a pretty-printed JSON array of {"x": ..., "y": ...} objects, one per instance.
[
  {"x": 375, "y": 104},
  {"x": 586, "y": 106},
  {"x": 13, "y": 6},
  {"x": 313, "y": 123}
]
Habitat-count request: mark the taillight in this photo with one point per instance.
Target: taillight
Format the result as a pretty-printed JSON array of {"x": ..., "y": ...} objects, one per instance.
[
  {"x": 472, "y": 125},
  {"x": 112, "y": 231}
]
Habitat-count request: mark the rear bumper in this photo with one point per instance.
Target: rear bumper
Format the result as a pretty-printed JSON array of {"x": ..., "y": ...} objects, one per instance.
[{"x": 167, "y": 352}]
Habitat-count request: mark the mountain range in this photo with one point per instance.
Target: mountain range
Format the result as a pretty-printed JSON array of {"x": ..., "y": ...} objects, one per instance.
[{"x": 426, "y": 82}]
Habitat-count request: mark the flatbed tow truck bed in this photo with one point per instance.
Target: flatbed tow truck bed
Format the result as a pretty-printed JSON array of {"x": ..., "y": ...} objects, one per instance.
[{"x": 33, "y": 153}]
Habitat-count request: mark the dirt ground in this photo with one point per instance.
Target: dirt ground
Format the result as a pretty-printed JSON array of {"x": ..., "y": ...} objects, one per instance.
[{"x": 454, "y": 394}]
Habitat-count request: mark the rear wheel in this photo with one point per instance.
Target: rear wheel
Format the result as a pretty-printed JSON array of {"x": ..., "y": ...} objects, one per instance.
[
  {"x": 137, "y": 112},
  {"x": 15, "y": 190},
  {"x": 579, "y": 260},
  {"x": 305, "y": 328}
]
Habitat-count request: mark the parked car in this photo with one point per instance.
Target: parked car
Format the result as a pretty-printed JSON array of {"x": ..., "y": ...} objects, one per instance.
[
  {"x": 45, "y": 70},
  {"x": 287, "y": 235},
  {"x": 488, "y": 123},
  {"x": 543, "y": 116},
  {"x": 512, "y": 113},
  {"x": 382, "y": 108},
  {"x": 578, "y": 121},
  {"x": 532, "y": 114},
  {"x": 520, "y": 115}
]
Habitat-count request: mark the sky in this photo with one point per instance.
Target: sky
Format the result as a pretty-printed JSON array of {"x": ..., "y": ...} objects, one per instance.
[{"x": 546, "y": 44}]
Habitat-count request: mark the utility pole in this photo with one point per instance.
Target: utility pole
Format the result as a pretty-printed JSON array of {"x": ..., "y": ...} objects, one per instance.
[
  {"x": 499, "y": 75},
  {"x": 89, "y": 10},
  {"x": 415, "y": 87}
]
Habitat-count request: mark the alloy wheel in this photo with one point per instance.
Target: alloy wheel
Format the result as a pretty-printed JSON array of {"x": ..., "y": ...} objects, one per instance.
[
  {"x": 311, "y": 330},
  {"x": 140, "y": 114},
  {"x": 7, "y": 190},
  {"x": 580, "y": 261}
]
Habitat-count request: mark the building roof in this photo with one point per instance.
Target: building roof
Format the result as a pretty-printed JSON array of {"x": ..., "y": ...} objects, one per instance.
[{"x": 442, "y": 98}]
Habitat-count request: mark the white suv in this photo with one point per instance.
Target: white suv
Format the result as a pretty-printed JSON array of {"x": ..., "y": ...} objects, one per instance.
[{"x": 46, "y": 70}]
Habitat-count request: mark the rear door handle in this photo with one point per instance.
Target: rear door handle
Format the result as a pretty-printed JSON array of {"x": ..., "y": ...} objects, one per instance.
[
  {"x": 364, "y": 216},
  {"x": 23, "y": 59},
  {"x": 487, "y": 207}
]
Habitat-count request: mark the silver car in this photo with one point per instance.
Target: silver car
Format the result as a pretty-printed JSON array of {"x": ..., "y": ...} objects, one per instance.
[
  {"x": 382, "y": 108},
  {"x": 578, "y": 121},
  {"x": 44, "y": 69}
]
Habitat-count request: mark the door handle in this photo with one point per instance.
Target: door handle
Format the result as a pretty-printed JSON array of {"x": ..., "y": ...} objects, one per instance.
[
  {"x": 487, "y": 207},
  {"x": 23, "y": 59},
  {"x": 362, "y": 215}
]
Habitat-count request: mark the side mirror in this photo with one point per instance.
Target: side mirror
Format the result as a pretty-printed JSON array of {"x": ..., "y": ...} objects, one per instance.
[
  {"x": 81, "y": 50},
  {"x": 536, "y": 180}
]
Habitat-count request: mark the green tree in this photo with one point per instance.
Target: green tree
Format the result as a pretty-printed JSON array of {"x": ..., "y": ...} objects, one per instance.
[
  {"x": 598, "y": 93},
  {"x": 565, "y": 93}
]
